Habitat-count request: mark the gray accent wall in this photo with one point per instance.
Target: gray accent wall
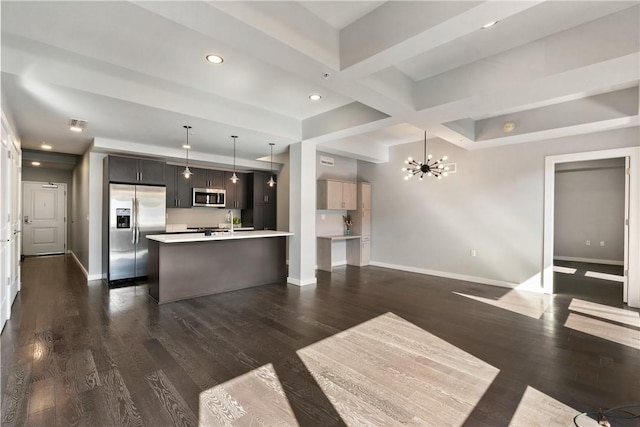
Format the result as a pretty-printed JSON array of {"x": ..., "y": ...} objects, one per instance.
[
  {"x": 59, "y": 176},
  {"x": 589, "y": 206},
  {"x": 493, "y": 205}
]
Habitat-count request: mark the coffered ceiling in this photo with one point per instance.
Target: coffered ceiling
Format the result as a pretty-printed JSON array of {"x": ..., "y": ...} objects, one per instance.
[{"x": 136, "y": 72}]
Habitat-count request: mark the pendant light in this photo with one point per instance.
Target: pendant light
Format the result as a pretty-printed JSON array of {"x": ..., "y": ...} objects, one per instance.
[
  {"x": 426, "y": 167},
  {"x": 187, "y": 172},
  {"x": 234, "y": 178},
  {"x": 271, "y": 182}
]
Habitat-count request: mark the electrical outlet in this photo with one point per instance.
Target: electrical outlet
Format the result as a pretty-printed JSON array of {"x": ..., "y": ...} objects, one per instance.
[
  {"x": 602, "y": 243},
  {"x": 473, "y": 252},
  {"x": 588, "y": 242},
  {"x": 323, "y": 216}
]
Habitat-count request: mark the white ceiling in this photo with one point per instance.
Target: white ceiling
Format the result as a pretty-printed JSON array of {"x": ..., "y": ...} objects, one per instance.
[{"x": 136, "y": 72}]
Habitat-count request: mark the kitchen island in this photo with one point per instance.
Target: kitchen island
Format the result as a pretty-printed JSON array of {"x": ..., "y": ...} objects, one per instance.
[{"x": 189, "y": 265}]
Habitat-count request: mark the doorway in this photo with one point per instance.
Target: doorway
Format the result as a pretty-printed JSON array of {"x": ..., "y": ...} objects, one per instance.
[
  {"x": 632, "y": 212},
  {"x": 44, "y": 222},
  {"x": 590, "y": 199}
]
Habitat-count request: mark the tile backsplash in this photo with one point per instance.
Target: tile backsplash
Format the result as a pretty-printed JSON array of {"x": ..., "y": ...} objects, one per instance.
[{"x": 199, "y": 217}]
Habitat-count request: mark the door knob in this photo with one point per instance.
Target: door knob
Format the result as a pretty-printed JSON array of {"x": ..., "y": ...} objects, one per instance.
[{"x": 26, "y": 219}]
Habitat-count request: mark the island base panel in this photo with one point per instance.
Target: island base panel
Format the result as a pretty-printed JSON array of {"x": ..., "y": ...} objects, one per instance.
[{"x": 188, "y": 270}]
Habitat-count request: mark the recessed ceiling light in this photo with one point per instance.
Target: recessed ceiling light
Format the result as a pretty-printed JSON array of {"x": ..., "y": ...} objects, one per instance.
[
  {"x": 489, "y": 25},
  {"x": 315, "y": 97},
  {"x": 35, "y": 163},
  {"x": 215, "y": 59},
  {"x": 186, "y": 147},
  {"x": 45, "y": 146}
]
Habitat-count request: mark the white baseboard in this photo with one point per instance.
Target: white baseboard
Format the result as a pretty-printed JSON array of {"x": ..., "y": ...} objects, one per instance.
[
  {"x": 589, "y": 260},
  {"x": 4, "y": 316},
  {"x": 448, "y": 275},
  {"x": 89, "y": 277},
  {"x": 339, "y": 263},
  {"x": 75, "y": 258},
  {"x": 302, "y": 282}
]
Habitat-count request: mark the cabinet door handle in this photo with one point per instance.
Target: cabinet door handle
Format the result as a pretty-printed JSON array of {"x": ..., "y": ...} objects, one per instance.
[{"x": 140, "y": 176}]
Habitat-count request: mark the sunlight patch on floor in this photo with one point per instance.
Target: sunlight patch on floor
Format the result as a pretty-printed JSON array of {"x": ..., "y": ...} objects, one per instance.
[
  {"x": 604, "y": 276},
  {"x": 255, "y": 398},
  {"x": 538, "y": 409},
  {"x": 388, "y": 371},
  {"x": 531, "y": 304},
  {"x": 604, "y": 330},
  {"x": 565, "y": 270},
  {"x": 628, "y": 317}
]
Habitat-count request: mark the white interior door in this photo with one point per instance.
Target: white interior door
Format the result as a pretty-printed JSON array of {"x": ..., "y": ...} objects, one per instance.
[
  {"x": 5, "y": 229},
  {"x": 627, "y": 198},
  {"x": 44, "y": 218}
]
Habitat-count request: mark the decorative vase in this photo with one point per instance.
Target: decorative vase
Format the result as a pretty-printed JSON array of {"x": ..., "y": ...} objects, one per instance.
[{"x": 347, "y": 231}]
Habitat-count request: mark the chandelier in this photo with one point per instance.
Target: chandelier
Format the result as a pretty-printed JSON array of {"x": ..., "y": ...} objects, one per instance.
[{"x": 427, "y": 167}]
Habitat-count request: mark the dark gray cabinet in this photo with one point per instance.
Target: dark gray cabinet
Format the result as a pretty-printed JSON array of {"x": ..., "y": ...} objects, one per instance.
[
  {"x": 179, "y": 193},
  {"x": 130, "y": 170},
  {"x": 207, "y": 178},
  {"x": 236, "y": 193},
  {"x": 262, "y": 210}
]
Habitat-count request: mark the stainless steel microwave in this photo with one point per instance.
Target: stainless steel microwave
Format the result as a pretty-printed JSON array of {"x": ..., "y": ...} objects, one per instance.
[{"x": 209, "y": 197}]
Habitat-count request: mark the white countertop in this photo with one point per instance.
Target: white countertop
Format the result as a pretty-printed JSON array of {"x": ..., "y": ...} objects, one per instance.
[
  {"x": 340, "y": 237},
  {"x": 200, "y": 237}
]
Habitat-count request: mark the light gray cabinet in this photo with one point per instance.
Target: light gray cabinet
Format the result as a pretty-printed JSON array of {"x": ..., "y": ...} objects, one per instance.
[
  {"x": 334, "y": 194},
  {"x": 361, "y": 218}
]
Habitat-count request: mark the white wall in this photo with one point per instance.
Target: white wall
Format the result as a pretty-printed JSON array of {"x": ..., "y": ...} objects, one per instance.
[
  {"x": 79, "y": 218},
  {"x": 95, "y": 216},
  {"x": 493, "y": 204},
  {"x": 589, "y": 206},
  {"x": 10, "y": 215},
  {"x": 86, "y": 214},
  {"x": 329, "y": 222}
]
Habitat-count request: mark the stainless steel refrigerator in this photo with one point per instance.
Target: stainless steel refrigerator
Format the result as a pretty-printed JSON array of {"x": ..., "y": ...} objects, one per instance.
[{"x": 134, "y": 212}]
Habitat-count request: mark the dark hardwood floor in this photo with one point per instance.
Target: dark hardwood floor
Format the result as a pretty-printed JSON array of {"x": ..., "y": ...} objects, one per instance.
[
  {"x": 81, "y": 354},
  {"x": 580, "y": 285}
]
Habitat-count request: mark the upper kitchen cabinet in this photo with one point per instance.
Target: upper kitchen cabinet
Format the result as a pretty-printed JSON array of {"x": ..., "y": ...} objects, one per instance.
[
  {"x": 262, "y": 209},
  {"x": 207, "y": 178},
  {"x": 130, "y": 170},
  {"x": 236, "y": 193},
  {"x": 179, "y": 193},
  {"x": 333, "y": 194}
]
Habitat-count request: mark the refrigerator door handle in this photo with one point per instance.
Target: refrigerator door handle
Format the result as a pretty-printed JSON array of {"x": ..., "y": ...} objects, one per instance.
[
  {"x": 137, "y": 221},
  {"x": 133, "y": 221}
]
